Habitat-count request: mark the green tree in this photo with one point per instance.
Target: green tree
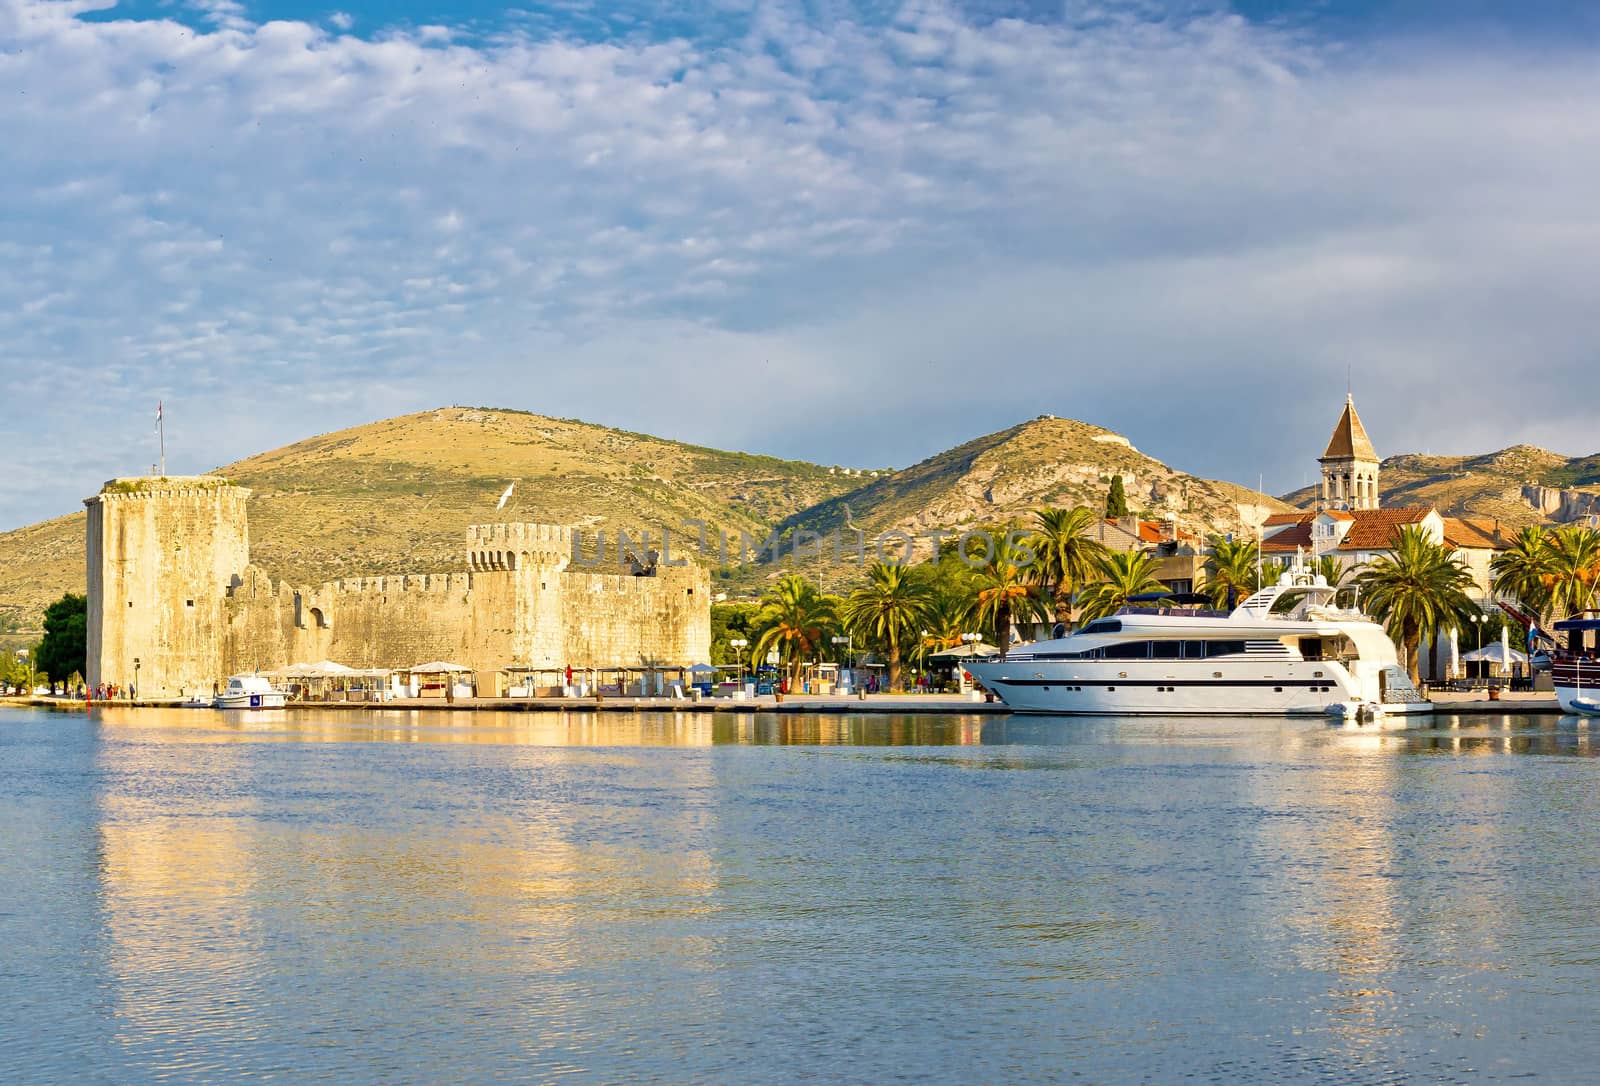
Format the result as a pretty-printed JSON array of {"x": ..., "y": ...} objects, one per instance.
[
  {"x": 1417, "y": 591},
  {"x": 13, "y": 672},
  {"x": 730, "y": 621},
  {"x": 1116, "y": 499},
  {"x": 1005, "y": 591},
  {"x": 64, "y": 652},
  {"x": 1572, "y": 576},
  {"x": 796, "y": 619},
  {"x": 1520, "y": 570},
  {"x": 1121, "y": 576},
  {"x": 1232, "y": 571},
  {"x": 888, "y": 612},
  {"x": 1065, "y": 554},
  {"x": 949, "y": 616}
]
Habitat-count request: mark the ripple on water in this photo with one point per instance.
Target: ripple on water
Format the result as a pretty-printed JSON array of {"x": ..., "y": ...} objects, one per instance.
[{"x": 672, "y": 897}]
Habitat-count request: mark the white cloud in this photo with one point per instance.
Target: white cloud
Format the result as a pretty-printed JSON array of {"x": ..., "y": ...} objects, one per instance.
[
  {"x": 342, "y": 20},
  {"x": 891, "y": 237}
]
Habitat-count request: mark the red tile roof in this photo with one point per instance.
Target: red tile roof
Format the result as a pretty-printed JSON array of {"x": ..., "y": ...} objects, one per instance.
[
  {"x": 1289, "y": 540},
  {"x": 1477, "y": 533},
  {"x": 1376, "y": 529}
]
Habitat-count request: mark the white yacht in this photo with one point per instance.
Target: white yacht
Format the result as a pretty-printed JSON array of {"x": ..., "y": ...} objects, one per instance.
[
  {"x": 250, "y": 692},
  {"x": 1286, "y": 650}
]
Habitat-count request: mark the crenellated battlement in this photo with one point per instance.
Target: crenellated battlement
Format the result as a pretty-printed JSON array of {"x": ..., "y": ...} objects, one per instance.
[
  {"x": 137, "y": 487},
  {"x": 511, "y": 546}
]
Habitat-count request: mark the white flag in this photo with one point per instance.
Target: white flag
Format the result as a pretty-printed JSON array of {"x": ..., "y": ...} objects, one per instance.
[
  {"x": 501, "y": 504},
  {"x": 158, "y": 412}
]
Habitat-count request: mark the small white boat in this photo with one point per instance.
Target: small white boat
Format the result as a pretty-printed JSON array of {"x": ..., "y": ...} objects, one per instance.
[{"x": 250, "y": 692}]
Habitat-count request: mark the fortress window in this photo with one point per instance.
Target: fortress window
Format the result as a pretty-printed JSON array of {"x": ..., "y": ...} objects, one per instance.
[
  {"x": 130, "y": 603},
  {"x": 188, "y": 603}
]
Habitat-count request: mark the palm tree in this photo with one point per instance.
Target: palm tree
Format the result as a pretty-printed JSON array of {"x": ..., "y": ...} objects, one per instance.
[
  {"x": 1573, "y": 576},
  {"x": 1520, "y": 570},
  {"x": 1232, "y": 571},
  {"x": 1065, "y": 554},
  {"x": 889, "y": 610},
  {"x": 1417, "y": 590},
  {"x": 795, "y": 619},
  {"x": 1004, "y": 591},
  {"x": 949, "y": 616},
  {"x": 1122, "y": 576},
  {"x": 1573, "y": 579},
  {"x": 1330, "y": 569}
]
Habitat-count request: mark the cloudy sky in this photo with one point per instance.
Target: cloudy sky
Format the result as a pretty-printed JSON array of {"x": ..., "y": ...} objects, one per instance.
[{"x": 850, "y": 233}]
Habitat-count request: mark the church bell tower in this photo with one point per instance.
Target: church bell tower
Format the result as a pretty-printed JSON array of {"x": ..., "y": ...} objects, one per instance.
[{"x": 1350, "y": 466}]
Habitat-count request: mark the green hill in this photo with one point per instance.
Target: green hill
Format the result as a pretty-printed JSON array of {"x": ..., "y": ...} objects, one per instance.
[
  {"x": 397, "y": 496},
  {"x": 1005, "y": 476},
  {"x": 1520, "y": 485}
]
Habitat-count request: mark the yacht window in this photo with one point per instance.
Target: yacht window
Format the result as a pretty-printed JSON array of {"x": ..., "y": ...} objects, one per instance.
[
  {"x": 1224, "y": 648},
  {"x": 1104, "y": 625},
  {"x": 1128, "y": 650},
  {"x": 1165, "y": 650},
  {"x": 1194, "y": 650}
]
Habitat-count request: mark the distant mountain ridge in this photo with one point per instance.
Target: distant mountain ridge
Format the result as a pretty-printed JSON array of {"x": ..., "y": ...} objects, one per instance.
[
  {"x": 1517, "y": 486},
  {"x": 396, "y": 496},
  {"x": 1006, "y": 476}
]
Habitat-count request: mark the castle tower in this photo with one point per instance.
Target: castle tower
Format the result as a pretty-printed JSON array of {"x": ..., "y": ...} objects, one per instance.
[
  {"x": 162, "y": 553},
  {"x": 1350, "y": 466}
]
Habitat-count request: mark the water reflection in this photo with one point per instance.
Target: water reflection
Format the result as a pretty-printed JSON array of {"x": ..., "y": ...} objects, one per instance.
[{"x": 459, "y": 896}]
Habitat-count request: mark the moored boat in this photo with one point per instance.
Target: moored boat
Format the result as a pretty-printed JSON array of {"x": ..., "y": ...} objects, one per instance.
[
  {"x": 1286, "y": 650},
  {"x": 1575, "y": 669},
  {"x": 250, "y": 692}
]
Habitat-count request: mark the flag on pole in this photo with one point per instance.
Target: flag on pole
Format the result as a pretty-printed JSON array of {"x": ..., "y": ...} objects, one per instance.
[
  {"x": 501, "y": 504},
  {"x": 158, "y": 414}
]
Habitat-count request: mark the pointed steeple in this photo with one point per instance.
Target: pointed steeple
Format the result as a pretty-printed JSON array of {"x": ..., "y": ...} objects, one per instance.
[
  {"x": 1350, "y": 466},
  {"x": 1349, "y": 441}
]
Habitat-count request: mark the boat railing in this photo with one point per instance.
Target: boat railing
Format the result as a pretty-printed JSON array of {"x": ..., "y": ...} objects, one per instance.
[{"x": 1193, "y": 612}]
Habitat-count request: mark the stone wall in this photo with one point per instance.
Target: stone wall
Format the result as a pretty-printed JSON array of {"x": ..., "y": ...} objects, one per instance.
[
  {"x": 161, "y": 552},
  {"x": 179, "y": 552},
  {"x": 617, "y": 620}
]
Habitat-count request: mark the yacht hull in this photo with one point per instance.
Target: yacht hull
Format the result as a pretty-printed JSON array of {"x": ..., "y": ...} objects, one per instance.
[{"x": 1127, "y": 688}]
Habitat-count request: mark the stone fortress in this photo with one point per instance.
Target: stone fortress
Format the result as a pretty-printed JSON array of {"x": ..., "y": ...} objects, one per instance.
[{"x": 175, "y": 605}]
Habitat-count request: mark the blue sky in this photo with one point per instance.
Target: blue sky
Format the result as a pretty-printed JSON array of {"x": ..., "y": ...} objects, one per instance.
[{"x": 851, "y": 233}]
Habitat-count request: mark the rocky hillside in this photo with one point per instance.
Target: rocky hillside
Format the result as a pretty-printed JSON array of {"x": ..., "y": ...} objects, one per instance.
[
  {"x": 396, "y": 496},
  {"x": 1520, "y": 485},
  {"x": 1005, "y": 476}
]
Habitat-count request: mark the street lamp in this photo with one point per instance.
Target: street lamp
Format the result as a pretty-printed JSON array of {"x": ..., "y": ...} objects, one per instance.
[{"x": 738, "y": 645}]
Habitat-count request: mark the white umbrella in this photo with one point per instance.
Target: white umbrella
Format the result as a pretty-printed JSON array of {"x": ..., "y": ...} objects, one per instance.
[
  {"x": 1496, "y": 652},
  {"x": 438, "y": 667}
]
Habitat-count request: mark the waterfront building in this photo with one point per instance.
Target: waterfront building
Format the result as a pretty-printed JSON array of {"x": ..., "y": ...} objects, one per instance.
[
  {"x": 175, "y": 604},
  {"x": 1350, "y": 465}
]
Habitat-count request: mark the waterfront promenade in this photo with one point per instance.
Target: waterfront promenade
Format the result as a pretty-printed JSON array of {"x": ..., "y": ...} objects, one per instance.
[{"x": 1446, "y": 702}]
